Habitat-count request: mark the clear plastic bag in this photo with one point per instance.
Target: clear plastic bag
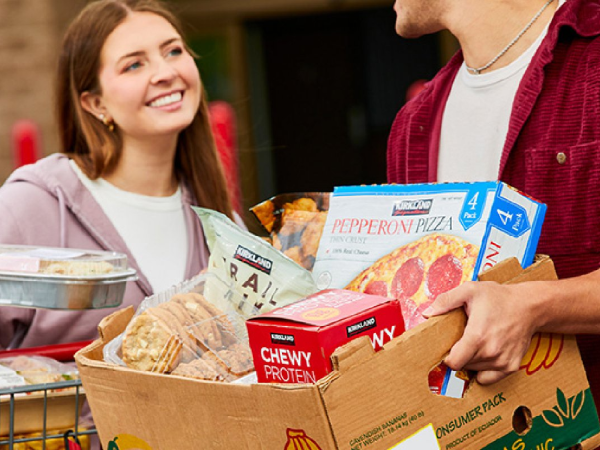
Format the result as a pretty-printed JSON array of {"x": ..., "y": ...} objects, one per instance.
[
  {"x": 182, "y": 332},
  {"x": 39, "y": 369}
]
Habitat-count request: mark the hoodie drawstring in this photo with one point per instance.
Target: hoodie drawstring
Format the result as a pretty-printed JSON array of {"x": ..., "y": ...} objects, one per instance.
[{"x": 62, "y": 214}]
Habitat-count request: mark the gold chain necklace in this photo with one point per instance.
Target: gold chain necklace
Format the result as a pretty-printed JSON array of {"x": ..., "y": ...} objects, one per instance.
[{"x": 477, "y": 71}]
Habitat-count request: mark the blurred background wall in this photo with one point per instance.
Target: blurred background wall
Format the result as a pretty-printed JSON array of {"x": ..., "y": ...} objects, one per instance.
[
  {"x": 30, "y": 32},
  {"x": 314, "y": 85}
]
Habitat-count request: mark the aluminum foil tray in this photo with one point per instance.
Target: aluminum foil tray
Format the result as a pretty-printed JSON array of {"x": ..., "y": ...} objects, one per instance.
[
  {"x": 63, "y": 293},
  {"x": 52, "y": 278}
]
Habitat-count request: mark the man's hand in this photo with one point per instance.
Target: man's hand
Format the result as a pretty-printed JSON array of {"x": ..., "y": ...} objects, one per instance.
[{"x": 500, "y": 323}]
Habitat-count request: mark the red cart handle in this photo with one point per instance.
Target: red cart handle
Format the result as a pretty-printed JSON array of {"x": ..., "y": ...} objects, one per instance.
[
  {"x": 60, "y": 352},
  {"x": 71, "y": 441}
]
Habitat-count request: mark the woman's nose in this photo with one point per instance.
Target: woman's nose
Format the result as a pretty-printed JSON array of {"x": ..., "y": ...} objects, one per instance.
[{"x": 163, "y": 72}]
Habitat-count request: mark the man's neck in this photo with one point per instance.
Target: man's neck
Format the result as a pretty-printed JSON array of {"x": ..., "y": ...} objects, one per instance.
[{"x": 488, "y": 27}]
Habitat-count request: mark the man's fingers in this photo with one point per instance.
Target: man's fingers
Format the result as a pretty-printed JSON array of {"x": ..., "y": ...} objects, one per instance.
[
  {"x": 490, "y": 376},
  {"x": 447, "y": 301},
  {"x": 462, "y": 352}
]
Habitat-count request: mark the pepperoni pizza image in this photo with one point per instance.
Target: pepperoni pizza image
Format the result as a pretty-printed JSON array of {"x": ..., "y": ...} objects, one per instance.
[{"x": 418, "y": 272}]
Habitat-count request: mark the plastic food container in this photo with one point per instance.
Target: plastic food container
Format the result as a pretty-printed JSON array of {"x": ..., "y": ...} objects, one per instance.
[
  {"x": 191, "y": 330},
  {"x": 60, "y": 278}
]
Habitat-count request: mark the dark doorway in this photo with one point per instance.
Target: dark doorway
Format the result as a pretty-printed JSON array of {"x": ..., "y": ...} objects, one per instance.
[{"x": 333, "y": 85}]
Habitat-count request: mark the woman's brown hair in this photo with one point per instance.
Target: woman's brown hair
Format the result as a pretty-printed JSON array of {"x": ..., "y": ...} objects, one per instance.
[{"x": 95, "y": 148}]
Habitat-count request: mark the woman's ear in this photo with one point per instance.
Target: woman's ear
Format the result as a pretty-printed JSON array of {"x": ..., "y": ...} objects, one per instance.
[{"x": 92, "y": 103}]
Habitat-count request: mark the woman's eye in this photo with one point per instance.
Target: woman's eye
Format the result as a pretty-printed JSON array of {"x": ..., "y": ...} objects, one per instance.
[
  {"x": 175, "y": 51},
  {"x": 132, "y": 66}
]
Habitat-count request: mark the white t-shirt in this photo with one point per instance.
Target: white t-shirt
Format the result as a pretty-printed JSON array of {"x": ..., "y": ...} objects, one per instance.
[
  {"x": 476, "y": 118},
  {"x": 153, "y": 228}
]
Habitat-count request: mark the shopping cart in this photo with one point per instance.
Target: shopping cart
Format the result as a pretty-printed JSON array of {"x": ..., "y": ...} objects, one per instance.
[
  {"x": 56, "y": 279},
  {"x": 45, "y": 397}
]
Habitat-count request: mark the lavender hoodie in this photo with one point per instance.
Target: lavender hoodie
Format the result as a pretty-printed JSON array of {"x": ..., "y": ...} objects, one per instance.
[{"x": 46, "y": 204}]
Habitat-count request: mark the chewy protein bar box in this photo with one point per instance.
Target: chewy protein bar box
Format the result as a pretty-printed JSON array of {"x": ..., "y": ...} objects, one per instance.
[{"x": 293, "y": 344}]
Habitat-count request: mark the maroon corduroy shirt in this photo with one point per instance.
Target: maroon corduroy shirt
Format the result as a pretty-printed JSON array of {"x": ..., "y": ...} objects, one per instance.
[{"x": 552, "y": 149}]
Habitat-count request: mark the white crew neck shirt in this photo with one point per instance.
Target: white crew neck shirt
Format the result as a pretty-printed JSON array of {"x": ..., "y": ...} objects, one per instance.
[
  {"x": 476, "y": 118},
  {"x": 153, "y": 228}
]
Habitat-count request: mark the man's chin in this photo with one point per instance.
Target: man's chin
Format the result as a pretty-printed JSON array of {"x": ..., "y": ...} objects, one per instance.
[
  {"x": 408, "y": 33},
  {"x": 410, "y": 30}
]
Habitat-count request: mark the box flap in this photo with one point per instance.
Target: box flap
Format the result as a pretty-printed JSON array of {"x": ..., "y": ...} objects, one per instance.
[
  {"x": 114, "y": 324},
  {"x": 108, "y": 329},
  {"x": 502, "y": 272},
  {"x": 357, "y": 351},
  {"x": 541, "y": 269},
  {"x": 352, "y": 353}
]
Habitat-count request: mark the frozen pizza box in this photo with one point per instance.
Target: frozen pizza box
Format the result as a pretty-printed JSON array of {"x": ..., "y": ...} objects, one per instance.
[
  {"x": 371, "y": 400},
  {"x": 442, "y": 234},
  {"x": 293, "y": 344}
]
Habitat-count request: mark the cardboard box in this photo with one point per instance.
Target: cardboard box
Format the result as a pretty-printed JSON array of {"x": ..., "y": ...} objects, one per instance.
[
  {"x": 293, "y": 344},
  {"x": 371, "y": 400},
  {"x": 62, "y": 409},
  {"x": 365, "y": 223}
]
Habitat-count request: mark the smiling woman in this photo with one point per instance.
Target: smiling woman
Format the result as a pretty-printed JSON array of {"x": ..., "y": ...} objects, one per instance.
[
  {"x": 148, "y": 83},
  {"x": 137, "y": 152}
]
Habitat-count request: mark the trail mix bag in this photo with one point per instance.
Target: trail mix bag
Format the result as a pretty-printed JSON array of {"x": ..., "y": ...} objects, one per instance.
[{"x": 265, "y": 277}]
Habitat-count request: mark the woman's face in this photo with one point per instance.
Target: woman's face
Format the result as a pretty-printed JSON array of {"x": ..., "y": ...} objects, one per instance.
[{"x": 149, "y": 83}]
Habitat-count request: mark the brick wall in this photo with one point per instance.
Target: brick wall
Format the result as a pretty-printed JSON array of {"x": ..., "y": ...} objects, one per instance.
[{"x": 30, "y": 36}]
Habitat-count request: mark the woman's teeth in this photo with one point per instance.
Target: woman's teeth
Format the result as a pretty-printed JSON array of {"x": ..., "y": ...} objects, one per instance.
[{"x": 166, "y": 100}]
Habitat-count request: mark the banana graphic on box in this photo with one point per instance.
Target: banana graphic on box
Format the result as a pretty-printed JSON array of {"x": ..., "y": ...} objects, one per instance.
[
  {"x": 544, "y": 350},
  {"x": 297, "y": 439},
  {"x": 126, "y": 442}
]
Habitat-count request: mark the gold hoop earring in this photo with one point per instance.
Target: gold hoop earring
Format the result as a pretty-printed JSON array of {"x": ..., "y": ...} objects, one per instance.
[{"x": 106, "y": 121}]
